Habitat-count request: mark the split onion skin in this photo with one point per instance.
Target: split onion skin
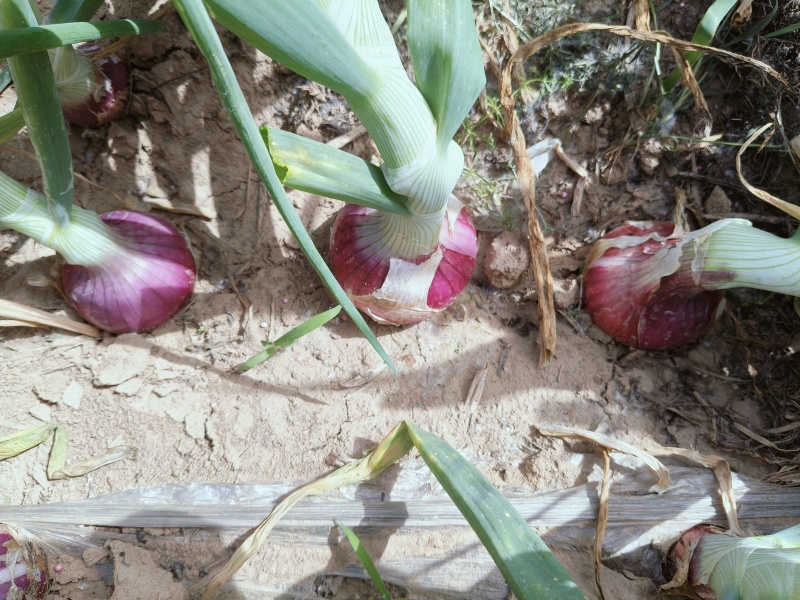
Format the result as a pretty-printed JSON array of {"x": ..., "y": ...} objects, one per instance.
[
  {"x": 686, "y": 549},
  {"x": 30, "y": 572},
  {"x": 140, "y": 291},
  {"x": 361, "y": 271},
  {"x": 110, "y": 99}
]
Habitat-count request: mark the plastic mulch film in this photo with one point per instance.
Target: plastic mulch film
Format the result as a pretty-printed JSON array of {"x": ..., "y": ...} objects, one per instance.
[{"x": 410, "y": 503}]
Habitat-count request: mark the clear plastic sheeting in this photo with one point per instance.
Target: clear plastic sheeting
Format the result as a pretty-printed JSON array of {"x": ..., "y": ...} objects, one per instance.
[{"x": 409, "y": 501}]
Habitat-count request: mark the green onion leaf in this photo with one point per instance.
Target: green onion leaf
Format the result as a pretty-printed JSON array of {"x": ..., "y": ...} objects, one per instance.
[
  {"x": 278, "y": 27},
  {"x": 205, "y": 36},
  {"x": 5, "y": 78},
  {"x": 528, "y": 565},
  {"x": 448, "y": 63},
  {"x": 25, "y": 40},
  {"x": 317, "y": 168},
  {"x": 11, "y": 123},
  {"x": 289, "y": 338},
  {"x": 69, "y": 11}
]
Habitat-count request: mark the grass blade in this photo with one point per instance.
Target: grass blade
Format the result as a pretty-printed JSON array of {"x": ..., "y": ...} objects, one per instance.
[
  {"x": 26, "y": 40},
  {"x": 314, "y": 167},
  {"x": 36, "y": 90},
  {"x": 5, "y": 78},
  {"x": 448, "y": 63},
  {"x": 704, "y": 33},
  {"x": 782, "y": 31},
  {"x": 199, "y": 24},
  {"x": 290, "y": 338},
  {"x": 11, "y": 123},
  {"x": 529, "y": 567},
  {"x": 366, "y": 560}
]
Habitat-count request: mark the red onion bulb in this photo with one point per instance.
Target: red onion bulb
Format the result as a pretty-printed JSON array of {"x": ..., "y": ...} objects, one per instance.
[
  {"x": 641, "y": 289},
  {"x": 109, "y": 96},
  {"x": 23, "y": 571},
  {"x": 396, "y": 291},
  {"x": 144, "y": 285}
]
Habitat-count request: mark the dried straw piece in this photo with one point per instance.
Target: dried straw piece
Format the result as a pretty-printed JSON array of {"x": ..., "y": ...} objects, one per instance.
[
  {"x": 475, "y": 393},
  {"x": 346, "y": 138},
  {"x": 15, "y": 314},
  {"x": 662, "y": 485},
  {"x": 365, "y": 377},
  {"x": 602, "y": 520},
  {"x": 743, "y": 14},
  {"x": 690, "y": 82},
  {"x": 642, "y": 15},
  {"x": 20, "y": 441},
  {"x": 762, "y": 440}
]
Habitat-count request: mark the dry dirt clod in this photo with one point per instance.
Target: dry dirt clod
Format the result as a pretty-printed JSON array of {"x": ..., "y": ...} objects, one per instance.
[{"x": 506, "y": 260}]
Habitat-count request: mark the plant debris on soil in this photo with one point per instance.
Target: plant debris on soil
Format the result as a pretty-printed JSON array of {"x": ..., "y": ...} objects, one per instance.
[{"x": 175, "y": 395}]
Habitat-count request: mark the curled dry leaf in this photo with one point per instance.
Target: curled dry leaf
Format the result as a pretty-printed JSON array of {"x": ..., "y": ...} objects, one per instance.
[
  {"x": 722, "y": 471},
  {"x": 743, "y": 14},
  {"x": 789, "y": 209},
  {"x": 663, "y": 484}
]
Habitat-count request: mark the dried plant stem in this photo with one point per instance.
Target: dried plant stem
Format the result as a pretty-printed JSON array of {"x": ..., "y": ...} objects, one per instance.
[
  {"x": 642, "y": 8},
  {"x": 538, "y": 246},
  {"x": 602, "y": 520}
]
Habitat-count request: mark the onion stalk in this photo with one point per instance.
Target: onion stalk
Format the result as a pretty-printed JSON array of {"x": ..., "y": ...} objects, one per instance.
[
  {"x": 650, "y": 286},
  {"x": 23, "y": 570},
  {"x": 724, "y": 567},
  {"x": 349, "y": 48}
]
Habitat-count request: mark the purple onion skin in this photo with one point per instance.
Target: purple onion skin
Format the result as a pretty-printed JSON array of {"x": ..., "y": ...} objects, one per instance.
[
  {"x": 361, "y": 272},
  {"x": 140, "y": 295},
  {"x": 30, "y": 573},
  {"x": 682, "y": 551},
  {"x": 672, "y": 312},
  {"x": 110, "y": 100}
]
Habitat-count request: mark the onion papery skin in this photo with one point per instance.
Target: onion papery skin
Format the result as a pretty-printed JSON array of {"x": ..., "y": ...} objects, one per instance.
[
  {"x": 110, "y": 97},
  {"x": 148, "y": 281},
  {"x": 361, "y": 265},
  {"x": 642, "y": 288},
  {"x": 688, "y": 548},
  {"x": 23, "y": 571}
]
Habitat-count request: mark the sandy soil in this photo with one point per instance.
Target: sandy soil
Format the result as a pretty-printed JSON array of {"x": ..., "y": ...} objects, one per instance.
[{"x": 174, "y": 395}]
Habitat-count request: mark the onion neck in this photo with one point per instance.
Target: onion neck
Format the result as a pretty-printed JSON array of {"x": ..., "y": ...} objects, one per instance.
[
  {"x": 83, "y": 240},
  {"x": 755, "y": 258},
  {"x": 76, "y": 78},
  {"x": 407, "y": 238}
]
